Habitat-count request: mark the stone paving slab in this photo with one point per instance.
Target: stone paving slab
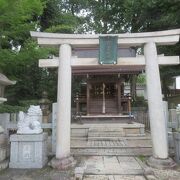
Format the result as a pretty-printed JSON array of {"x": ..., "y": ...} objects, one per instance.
[
  {"x": 121, "y": 177},
  {"x": 111, "y": 165},
  {"x": 95, "y": 177},
  {"x": 111, "y": 177}
]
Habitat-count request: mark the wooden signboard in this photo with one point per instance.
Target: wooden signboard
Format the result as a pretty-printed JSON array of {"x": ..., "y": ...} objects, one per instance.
[{"x": 108, "y": 49}]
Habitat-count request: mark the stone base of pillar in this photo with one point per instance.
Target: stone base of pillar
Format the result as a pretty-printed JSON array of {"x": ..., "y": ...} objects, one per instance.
[
  {"x": 161, "y": 163},
  {"x": 62, "y": 164}
]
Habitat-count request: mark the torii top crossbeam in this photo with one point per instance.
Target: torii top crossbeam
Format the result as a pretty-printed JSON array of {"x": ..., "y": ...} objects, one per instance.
[
  {"x": 167, "y": 37},
  {"x": 126, "y": 40}
]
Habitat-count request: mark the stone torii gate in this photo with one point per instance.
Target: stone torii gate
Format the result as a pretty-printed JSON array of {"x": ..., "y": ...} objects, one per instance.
[{"x": 151, "y": 60}]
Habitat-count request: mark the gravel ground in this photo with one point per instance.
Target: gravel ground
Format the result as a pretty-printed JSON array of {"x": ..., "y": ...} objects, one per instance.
[
  {"x": 46, "y": 173},
  {"x": 167, "y": 174}
]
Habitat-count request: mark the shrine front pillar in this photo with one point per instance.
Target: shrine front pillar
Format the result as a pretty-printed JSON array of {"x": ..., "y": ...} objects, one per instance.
[
  {"x": 160, "y": 157},
  {"x": 63, "y": 159}
]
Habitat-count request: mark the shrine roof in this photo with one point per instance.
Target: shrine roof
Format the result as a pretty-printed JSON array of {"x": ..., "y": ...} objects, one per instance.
[
  {"x": 108, "y": 70},
  {"x": 5, "y": 81}
]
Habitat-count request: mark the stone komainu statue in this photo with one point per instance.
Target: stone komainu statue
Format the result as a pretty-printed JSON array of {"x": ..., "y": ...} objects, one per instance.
[{"x": 30, "y": 123}]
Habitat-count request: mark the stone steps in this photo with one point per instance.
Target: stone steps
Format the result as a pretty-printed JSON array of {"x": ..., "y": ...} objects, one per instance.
[
  {"x": 104, "y": 134},
  {"x": 112, "y": 138},
  {"x": 106, "y": 131},
  {"x": 112, "y": 133},
  {"x": 146, "y": 151},
  {"x": 104, "y": 120},
  {"x": 123, "y": 147},
  {"x": 108, "y": 139},
  {"x": 110, "y": 145},
  {"x": 130, "y": 136}
]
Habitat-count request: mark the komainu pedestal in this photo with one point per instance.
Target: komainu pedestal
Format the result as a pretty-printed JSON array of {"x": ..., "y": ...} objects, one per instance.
[{"x": 28, "y": 150}]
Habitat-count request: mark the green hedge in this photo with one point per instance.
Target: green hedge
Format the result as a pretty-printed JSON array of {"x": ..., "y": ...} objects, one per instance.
[
  {"x": 27, "y": 103},
  {"x": 5, "y": 108},
  {"x": 140, "y": 102},
  {"x": 22, "y": 106}
]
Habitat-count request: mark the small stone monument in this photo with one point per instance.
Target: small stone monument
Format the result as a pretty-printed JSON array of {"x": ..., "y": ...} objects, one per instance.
[
  {"x": 29, "y": 145},
  {"x": 45, "y": 106},
  {"x": 3, "y": 150}
]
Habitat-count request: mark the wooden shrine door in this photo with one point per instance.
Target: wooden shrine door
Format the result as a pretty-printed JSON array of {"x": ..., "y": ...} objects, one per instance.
[{"x": 103, "y": 98}]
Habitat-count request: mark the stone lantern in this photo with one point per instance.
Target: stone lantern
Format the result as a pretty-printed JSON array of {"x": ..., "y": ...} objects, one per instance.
[
  {"x": 45, "y": 107},
  {"x": 4, "y": 81}
]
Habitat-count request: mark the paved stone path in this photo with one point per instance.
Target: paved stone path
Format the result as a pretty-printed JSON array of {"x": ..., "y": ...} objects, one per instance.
[
  {"x": 111, "y": 177},
  {"x": 117, "y": 160},
  {"x": 123, "y": 168},
  {"x": 102, "y": 164},
  {"x": 111, "y": 168},
  {"x": 111, "y": 165}
]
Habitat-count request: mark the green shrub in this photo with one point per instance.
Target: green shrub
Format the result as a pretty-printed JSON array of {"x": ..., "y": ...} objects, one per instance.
[
  {"x": 140, "y": 102},
  {"x": 22, "y": 106},
  {"x": 141, "y": 79},
  {"x": 142, "y": 158},
  {"x": 27, "y": 103},
  {"x": 5, "y": 108}
]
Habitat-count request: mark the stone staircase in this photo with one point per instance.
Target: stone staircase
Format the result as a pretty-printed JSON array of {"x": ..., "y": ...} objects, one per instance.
[
  {"x": 117, "y": 140},
  {"x": 99, "y": 119},
  {"x": 105, "y": 134}
]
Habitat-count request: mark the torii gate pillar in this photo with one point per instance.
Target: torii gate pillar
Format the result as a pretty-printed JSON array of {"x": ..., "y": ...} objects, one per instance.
[
  {"x": 63, "y": 160},
  {"x": 160, "y": 157}
]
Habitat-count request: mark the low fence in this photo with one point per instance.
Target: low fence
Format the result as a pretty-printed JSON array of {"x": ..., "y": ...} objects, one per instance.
[
  {"x": 9, "y": 121},
  {"x": 141, "y": 116}
]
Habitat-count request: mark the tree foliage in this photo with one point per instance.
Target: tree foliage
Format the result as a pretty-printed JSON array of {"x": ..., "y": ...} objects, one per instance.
[
  {"x": 17, "y": 17},
  {"x": 59, "y": 16},
  {"x": 19, "y": 54}
]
